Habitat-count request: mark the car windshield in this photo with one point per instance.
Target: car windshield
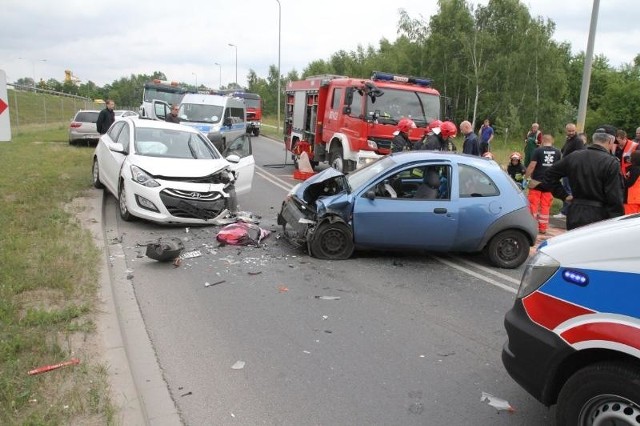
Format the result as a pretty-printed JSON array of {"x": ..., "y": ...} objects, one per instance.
[
  {"x": 362, "y": 176},
  {"x": 87, "y": 117},
  {"x": 395, "y": 104},
  {"x": 170, "y": 143},
  {"x": 200, "y": 113}
]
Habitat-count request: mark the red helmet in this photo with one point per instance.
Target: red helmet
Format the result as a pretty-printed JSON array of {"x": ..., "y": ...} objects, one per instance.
[
  {"x": 434, "y": 123},
  {"x": 448, "y": 130},
  {"x": 406, "y": 124}
]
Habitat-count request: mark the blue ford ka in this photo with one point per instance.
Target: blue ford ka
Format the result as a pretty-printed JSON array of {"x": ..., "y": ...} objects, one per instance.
[{"x": 420, "y": 200}]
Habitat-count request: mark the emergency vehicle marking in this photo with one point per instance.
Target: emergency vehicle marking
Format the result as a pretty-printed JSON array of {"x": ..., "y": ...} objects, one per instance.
[
  {"x": 600, "y": 344},
  {"x": 549, "y": 312},
  {"x": 607, "y": 291},
  {"x": 607, "y": 331}
]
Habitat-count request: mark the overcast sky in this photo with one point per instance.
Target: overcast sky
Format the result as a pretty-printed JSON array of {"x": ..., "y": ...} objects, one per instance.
[{"x": 102, "y": 41}]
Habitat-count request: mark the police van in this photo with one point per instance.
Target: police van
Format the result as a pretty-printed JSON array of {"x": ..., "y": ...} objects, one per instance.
[
  {"x": 574, "y": 329},
  {"x": 221, "y": 118}
]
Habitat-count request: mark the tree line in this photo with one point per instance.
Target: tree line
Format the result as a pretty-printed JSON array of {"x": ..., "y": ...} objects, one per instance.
[{"x": 495, "y": 61}]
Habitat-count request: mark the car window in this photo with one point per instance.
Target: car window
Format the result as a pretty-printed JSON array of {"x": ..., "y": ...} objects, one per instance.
[
  {"x": 241, "y": 147},
  {"x": 427, "y": 182},
  {"x": 123, "y": 137},
  {"x": 86, "y": 116},
  {"x": 114, "y": 131},
  {"x": 475, "y": 183}
]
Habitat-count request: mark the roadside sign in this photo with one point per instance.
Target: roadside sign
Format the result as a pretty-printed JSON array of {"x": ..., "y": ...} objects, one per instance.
[{"x": 5, "y": 123}]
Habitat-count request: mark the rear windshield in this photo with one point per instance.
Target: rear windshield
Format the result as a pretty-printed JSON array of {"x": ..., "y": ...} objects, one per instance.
[{"x": 87, "y": 117}]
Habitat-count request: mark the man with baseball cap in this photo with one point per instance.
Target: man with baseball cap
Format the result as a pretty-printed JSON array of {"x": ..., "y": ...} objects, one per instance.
[{"x": 596, "y": 182}]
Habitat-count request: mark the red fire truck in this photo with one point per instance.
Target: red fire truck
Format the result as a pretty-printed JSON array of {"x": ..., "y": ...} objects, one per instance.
[
  {"x": 253, "y": 105},
  {"x": 346, "y": 120}
]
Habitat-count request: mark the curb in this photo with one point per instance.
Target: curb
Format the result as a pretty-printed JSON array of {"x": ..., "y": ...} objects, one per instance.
[{"x": 138, "y": 389}]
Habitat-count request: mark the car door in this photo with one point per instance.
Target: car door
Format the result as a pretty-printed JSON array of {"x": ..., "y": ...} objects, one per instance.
[
  {"x": 245, "y": 168},
  {"x": 111, "y": 161},
  {"x": 382, "y": 219}
]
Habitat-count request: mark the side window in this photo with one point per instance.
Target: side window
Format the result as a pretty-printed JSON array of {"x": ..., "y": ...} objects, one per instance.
[
  {"x": 356, "y": 104},
  {"x": 240, "y": 147},
  {"x": 238, "y": 114},
  {"x": 123, "y": 137},
  {"x": 474, "y": 183},
  {"x": 115, "y": 130},
  {"x": 337, "y": 95},
  {"x": 417, "y": 183}
]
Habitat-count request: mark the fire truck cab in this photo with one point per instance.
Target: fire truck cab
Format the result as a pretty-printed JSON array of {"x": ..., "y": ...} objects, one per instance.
[{"x": 346, "y": 121}]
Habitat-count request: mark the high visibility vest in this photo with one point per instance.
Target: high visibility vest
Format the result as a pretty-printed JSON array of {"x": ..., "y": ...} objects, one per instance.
[
  {"x": 633, "y": 193},
  {"x": 628, "y": 149}
]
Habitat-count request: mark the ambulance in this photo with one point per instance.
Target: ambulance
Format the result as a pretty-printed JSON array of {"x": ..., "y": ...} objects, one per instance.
[{"x": 574, "y": 329}]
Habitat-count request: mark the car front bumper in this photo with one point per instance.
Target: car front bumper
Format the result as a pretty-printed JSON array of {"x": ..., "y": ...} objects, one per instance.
[
  {"x": 295, "y": 221},
  {"x": 532, "y": 354},
  {"x": 179, "y": 202}
]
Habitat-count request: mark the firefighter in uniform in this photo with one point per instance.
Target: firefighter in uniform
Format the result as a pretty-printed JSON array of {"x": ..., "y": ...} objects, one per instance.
[
  {"x": 441, "y": 139},
  {"x": 400, "y": 140},
  {"x": 596, "y": 182}
]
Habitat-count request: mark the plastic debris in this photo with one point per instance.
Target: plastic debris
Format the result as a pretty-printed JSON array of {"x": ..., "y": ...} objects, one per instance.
[
  {"x": 497, "y": 403},
  {"x": 46, "y": 368},
  {"x": 282, "y": 289},
  {"x": 248, "y": 217},
  {"x": 254, "y": 273},
  {"x": 208, "y": 284},
  {"x": 239, "y": 365},
  {"x": 328, "y": 297},
  {"x": 129, "y": 274},
  {"x": 165, "y": 250},
  {"x": 242, "y": 234},
  {"x": 191, "y": 254}
]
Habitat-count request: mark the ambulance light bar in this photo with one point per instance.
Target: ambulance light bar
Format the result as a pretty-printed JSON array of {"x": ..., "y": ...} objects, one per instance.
[{"x": 384, "y": 76}]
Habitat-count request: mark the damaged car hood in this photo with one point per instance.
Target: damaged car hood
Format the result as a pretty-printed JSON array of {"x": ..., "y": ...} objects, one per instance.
[
  {"x": 176, "y": 167},
  {"x": 328, "y": 182}
]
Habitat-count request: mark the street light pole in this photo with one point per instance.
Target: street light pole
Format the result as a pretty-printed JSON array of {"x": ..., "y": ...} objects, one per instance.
[
  {"x": 236, "y": 47},
  {"x": 33, "y": 68},
  {"x": 279, "y": 33},
  {"x": 220, "y": 78},
  {"x": 586, "y": 72},
  {"x": 196, "y": 80}
]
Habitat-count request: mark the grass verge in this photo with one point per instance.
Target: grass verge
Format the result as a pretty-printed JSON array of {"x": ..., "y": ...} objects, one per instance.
[{"x": 48, "y": 285}]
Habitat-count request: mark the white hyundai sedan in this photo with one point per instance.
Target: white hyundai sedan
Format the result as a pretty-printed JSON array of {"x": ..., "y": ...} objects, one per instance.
[{"x": 169, "y": 173}]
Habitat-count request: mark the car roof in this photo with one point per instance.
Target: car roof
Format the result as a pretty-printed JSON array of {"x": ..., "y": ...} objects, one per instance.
[{"x": 424, "y": 155}]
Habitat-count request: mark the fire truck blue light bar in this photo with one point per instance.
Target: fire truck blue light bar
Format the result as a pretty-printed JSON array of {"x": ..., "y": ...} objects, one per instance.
[{"x": 385, "y": 76}]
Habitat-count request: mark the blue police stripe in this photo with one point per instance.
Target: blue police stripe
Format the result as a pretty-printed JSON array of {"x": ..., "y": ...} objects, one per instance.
[{"x": 607, "y": 291}]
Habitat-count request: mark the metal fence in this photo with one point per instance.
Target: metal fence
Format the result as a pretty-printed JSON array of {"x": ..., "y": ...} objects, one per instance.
[{"x": 31, "y": 107}]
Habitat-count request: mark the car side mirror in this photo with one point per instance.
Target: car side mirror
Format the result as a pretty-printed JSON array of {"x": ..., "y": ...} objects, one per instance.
[
  {"x": 233, "y": 158},
  {"x": 371, "y": 194},
  {"x": 117, "y": 147}
]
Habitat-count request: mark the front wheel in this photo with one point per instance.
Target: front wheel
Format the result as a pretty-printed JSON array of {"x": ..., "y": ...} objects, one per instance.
[
  {"x": 508, "y": 249},
  {"x": 96, "y": 175},
  {"x": 606, "y": 393},
  {"x": 256, "y": 132},
  {"x": 125, "y": 214},
  {"x": 333, "y": 241}
]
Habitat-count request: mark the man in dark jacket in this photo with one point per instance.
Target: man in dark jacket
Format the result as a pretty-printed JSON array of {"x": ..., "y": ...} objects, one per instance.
[
  {"x": 595, "y": 179},
  {"x": 106, "y": 117},
  {"x": 573, "y": 143},
  {"x": 471, "y": 144}
]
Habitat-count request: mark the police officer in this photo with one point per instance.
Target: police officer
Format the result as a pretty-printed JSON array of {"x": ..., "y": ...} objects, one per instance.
[{"x": 595, "y": 179}]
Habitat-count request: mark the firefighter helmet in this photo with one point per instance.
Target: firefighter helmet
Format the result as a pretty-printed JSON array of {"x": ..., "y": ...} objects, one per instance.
[
  {"x": 448, "y": 130},
  {"x": 406, "y": 124},
  {"x": 433, "y": 124}
]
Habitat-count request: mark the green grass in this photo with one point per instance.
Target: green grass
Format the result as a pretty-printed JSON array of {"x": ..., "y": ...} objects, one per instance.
[{"x": 48, "y": 284}]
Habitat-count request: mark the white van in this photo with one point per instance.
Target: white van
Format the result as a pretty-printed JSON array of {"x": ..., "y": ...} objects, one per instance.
[{"x": 219, "y": 117}]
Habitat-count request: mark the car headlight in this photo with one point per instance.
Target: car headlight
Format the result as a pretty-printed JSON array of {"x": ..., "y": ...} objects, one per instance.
[
  {"x": 140, "y": 176},
  {"x": 537, "y": 272},
  {"x": 372, "y": 145}
]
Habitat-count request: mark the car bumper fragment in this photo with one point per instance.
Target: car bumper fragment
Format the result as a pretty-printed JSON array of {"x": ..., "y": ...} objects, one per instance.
[{"x": 297, "y": 222}]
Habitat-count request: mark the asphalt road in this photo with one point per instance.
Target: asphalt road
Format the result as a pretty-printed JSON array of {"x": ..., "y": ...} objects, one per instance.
[{"x": 405, "y": 339}]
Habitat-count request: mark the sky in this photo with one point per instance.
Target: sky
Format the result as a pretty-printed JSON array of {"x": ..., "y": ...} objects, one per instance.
[{"x": 189, "y": 40}]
